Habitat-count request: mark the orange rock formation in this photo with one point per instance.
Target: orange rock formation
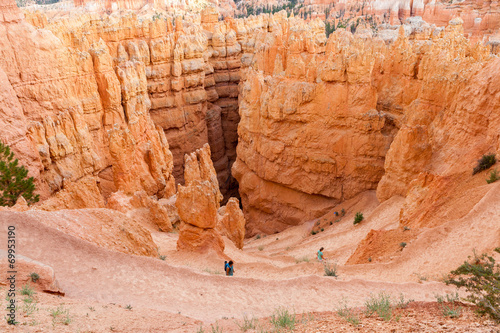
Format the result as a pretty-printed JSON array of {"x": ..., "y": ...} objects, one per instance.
[
  {"x": 197, "y": 204},
  {"x": 104, "y": 110}
]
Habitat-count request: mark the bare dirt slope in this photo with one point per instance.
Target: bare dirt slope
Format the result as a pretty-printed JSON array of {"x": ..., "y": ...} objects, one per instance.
[
  {"x": 271, "y": 271},
  {"x": 85, "y": 271}
]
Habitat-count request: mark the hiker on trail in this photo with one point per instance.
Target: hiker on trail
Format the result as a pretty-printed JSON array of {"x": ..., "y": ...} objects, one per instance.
[
  {"x": 229, "y": 268},
  {"x": 320, "y": 255}
]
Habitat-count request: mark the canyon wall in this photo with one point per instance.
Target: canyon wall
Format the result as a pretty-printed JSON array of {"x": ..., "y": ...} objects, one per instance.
[
  {"x": 322, "y": 122},
  {"x": 99, "y": 105},
  {"x": 95, "y": 101},
  {"x": 72, "y": 117}
]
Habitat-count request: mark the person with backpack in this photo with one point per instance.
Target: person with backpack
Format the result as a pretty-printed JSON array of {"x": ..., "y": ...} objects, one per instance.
[{"x": 228, "y": 267}]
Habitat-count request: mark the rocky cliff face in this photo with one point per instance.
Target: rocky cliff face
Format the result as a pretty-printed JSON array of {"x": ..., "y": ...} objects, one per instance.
[
  {"x": 322, "y": 122},
  {"x": 481, "y": 18},
  {"x": 191, "y": 72},
  {"x": 312, "y": 132},
  {"x": 99, "y": 106},
  {"x": 80, "y": 116}
]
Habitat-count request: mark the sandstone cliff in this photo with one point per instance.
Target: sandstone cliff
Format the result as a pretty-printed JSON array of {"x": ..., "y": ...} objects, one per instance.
[
  {"x": 322, "y": 122},
  {"x": 113, "y": 104},
  {"x": 82, "y": 116}
]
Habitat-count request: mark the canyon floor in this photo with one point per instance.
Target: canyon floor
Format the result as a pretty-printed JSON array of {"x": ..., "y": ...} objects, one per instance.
[{"x": 108, "y": 291}]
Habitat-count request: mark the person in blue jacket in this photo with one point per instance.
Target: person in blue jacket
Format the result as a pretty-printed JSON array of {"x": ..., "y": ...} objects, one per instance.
[{"x": 229, "y": 268}]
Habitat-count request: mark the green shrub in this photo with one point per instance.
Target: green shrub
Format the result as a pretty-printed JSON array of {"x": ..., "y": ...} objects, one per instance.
[
  {"x": 403, "y": 303},
  {"x": 493, "y": 177},
  {"x": 27, "y": 291},
  {"x": 57, "y": 313},
  {"x": 380, "y": 304},
  {"x": 34, "y": 277},
  {"x": 283, "y": 319},
  {"x": 484, "y": 163},
  {"x": 313, "y": 232},
  {"x": 322, "y": 229},
  {"x": 14, "y": 181},
  {"x": 451, "y": 311},
  {"x": 261, "y": 248},
  {"x": 248, "y": 324},
  {"x": 330, "y": 269},
  {"x": 342, "y": 212},
  {"x": 358, "y": 217},
  {"x": 347, "y": 313},
  {"x": 480, "y": 276},
  {"x": 403, "y": 245}
]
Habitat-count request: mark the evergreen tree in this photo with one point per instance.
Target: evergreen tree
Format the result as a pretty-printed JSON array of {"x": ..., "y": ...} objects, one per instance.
[{"x": 13, "y": 179}]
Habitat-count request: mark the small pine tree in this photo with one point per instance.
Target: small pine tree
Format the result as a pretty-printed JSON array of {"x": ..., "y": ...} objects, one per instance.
[
  {"x": 358, "y": 218},
  {"x": 13, "y": 179}
]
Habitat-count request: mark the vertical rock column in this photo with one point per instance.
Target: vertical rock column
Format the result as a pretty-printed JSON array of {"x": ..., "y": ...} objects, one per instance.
[{"x": 197, "y": 204}]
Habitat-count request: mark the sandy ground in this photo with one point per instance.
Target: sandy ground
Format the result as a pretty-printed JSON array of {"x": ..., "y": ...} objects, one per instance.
[{"x": 112, "y": 291}]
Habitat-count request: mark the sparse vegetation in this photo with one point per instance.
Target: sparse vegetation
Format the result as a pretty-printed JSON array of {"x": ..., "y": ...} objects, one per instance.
[
  {"x": 302, "y": 259},
  {"x": 330, "y": 269},
  {"x": 347, "y": 313},
  {"x": 493, "y": 177},
  {"x": 358, "y": 218},
  {"x": 451, "y": 298},
  {"x": 452, "y": 312},
  {"x": 369, "y": 259},
  {"x": 405, "y": 228},
  {"x": 26, "y": 290},
  {"x": 247, "y": 324},
  {"x": 313, "y": 232},
  {"x": 162, "y": 257},
  {"x": 261, "y": 248},
  {"x": 282, "y": 318},
  {"x": 34, "y": 277},
  {"x": 257, "y": 237},
  {"x": 342, "y": 212},
  {"x": 380, "y": 304},
  {"x": 484, "y": 163},
  {"x": 128, "y": 307},
  {"x": 402, "y": 245},
  {"x": 216, "y": 328},
  {"x": 29, "y": 306},
  {"x": 14, "y": 181},
  {"x": 322, "y": 229},
  {"x": 447, "y": 304},
  {"x": 480, "y": 276},
  {"x": 60, "y": 314},
  {"x": 421, "y": 277},
  {"x": 402, "y": 302}
]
